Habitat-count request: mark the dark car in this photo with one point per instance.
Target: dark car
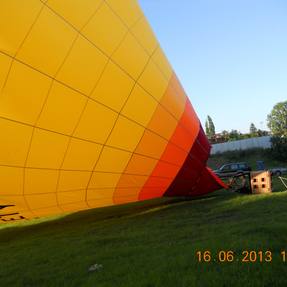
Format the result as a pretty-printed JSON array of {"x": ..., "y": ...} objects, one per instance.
[
  {"x": 278, "y": 171},
  {"x": 231, "y": 169}
]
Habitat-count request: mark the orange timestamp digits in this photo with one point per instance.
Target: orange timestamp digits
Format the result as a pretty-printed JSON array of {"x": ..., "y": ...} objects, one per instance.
[
  {"x": 246, "y": 256},
  {"x": 256, "y": 256}
]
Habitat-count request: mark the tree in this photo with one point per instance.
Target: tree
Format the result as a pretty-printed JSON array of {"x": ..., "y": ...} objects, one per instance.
[
  {"x": 277, "y": 120},
  {"x": 209, "y": 127},
  {"x": 262, "y": 133},
  {"x": 225, "y": 135},
  {"x": 253, "y": 130},
  {"x": 279, "y": 148},
  {"x": 234, "y": 135}
]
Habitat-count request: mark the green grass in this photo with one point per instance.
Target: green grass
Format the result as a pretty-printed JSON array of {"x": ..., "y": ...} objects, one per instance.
[
  {"x": 150, "y": 244},
  {"x": 153, "y": 243}
]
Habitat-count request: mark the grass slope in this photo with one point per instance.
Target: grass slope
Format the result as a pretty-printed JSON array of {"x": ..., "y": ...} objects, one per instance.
[{"x": 150, "y": 244}]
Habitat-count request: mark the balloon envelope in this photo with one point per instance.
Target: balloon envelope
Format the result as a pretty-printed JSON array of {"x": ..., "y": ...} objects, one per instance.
[{"x": 91, "y": 112}]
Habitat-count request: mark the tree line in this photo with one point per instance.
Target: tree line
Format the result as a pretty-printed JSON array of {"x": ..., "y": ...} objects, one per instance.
[
  {"x": 276, "y": 122},
  {"x": 232, "y": 135}
]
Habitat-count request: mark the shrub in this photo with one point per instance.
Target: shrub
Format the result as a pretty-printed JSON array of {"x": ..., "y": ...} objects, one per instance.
[{"x": 279, "y": 148}]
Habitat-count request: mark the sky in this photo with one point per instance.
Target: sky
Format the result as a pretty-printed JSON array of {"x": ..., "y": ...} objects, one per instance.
[{"x": 230, "y": 55}]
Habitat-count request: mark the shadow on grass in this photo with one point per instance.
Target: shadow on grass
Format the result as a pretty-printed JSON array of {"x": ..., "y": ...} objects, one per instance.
[
  {"x": 104, "y": 214},
  {"x": 229, "y": 205}
]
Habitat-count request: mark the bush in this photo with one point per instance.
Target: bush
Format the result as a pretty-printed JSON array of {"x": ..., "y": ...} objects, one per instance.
[
  {"x": 279, "y": 148},
  {"x": 237, "y": 155}
]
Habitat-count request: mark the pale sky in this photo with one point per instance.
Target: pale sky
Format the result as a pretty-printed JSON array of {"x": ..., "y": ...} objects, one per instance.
[{"x": 230, "y": 55}]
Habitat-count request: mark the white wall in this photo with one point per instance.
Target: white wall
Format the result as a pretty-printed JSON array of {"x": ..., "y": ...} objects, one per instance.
[{"x": 260, "y": 142}]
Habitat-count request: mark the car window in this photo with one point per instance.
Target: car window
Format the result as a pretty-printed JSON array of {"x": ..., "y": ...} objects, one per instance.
[
  {"x": 226, "y": 167},
  {"x": 242, "y": 166},
  {"x": 234, "y": 167}
]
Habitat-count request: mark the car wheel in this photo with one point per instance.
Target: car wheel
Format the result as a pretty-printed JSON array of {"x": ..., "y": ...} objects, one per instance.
[{"x": 278, "y": 173}]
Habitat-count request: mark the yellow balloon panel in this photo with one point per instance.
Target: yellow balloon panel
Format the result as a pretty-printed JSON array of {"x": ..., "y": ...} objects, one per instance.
[
  {"x": 11, "y": 187},
  {"x": 16, "y": 19},
  {"x": 53, "y": 46},
  {"x": 91, "y": 112},
  {"x": 110, "y": 28},
  {"x": 14, "y": 144},
  {"x": 127, "y": 10},
  {"x": 133, "y": 108},
  {"x": 40, "y": 181},
  {"x": 90, "y": 64},
  {"x": 79, "y": 15},
  {"x": 104, "y": 92},
  {"x": 81, "y": 155},
  {"x": 17, "y": 93}
]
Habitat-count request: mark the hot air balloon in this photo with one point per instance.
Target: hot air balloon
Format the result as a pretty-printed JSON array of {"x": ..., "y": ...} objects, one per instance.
[{"x": 91, "y": 112}]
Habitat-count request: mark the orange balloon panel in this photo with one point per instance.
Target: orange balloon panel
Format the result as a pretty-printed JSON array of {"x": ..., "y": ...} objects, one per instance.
[{"x": 91, "y": 112}]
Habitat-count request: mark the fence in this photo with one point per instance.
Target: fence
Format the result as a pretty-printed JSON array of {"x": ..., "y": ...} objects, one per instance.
[{"x": 259, "y": 142}]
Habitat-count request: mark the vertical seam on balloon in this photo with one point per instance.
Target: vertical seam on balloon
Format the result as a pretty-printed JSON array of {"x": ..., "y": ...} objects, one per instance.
[
  {"x": 196, "y": 181},
  {"x": 134, "y": 153},
  {"x": 188, "y": 153},
  {"x": 21, "y": 45},
  {"x": 6, "y": 80},
  {"x": 135, "y": 37},
  {"x": 119, "y": 114},
  {"x": 144, "y": 48},
  {"x": 83, "y": 110},
  {"x": 8, "y": 74},
  {"x": 87, "y": 101},
  {"x": 42, "y": 108},
  {"x": 147, "y": 52},
  {"x": 178, "y": 123}
]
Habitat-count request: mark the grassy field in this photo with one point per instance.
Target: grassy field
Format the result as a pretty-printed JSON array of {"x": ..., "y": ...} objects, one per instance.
[{"x": 151, "y": 243}]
